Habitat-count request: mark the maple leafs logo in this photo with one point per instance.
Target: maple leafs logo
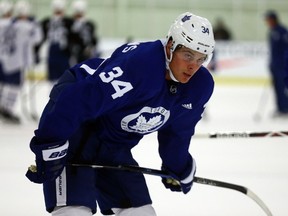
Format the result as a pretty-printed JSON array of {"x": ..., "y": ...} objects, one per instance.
[
  {"x": 147, "y": 120},
  {"x": 143, "y": 125},
  {"x": 186, "y": 18}
]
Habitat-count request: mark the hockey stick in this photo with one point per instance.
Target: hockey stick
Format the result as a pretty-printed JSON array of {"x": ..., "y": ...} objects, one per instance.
[
  {"x": 28, "y": 104},
  {"x": 199, "y": 180},
  {"x": 258, "y": 115},
  {"x": 243, "y": 134}
]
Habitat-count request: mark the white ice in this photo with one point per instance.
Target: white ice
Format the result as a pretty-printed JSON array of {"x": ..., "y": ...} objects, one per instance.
[{"x": 261, "y": 164}]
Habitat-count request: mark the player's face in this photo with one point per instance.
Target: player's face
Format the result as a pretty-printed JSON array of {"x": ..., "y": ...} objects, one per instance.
[
  {"x": 270, "y": 22},
  {"x": 185, "y": 63}
]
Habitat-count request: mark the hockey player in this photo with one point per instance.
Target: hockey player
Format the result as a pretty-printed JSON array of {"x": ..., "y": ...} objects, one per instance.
[
  {"x": 100, "y": 109},
  {"x": 30, "y": 33},
  {"x": 57, "y": 32},
  {"x": 18, "y": 37},
  {"x": 27, "y": 25},
  {"x": 278, "y": 43},
  {"x": 84, "y": 40},
  {"x": 8, "y": 79}
]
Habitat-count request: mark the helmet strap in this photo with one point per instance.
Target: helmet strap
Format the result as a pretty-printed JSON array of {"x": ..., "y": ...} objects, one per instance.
[
  {"x": 168, "y": 60},
  {"x": 172, "y": 75}
]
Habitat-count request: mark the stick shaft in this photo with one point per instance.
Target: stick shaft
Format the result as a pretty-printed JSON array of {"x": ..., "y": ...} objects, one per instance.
[
  {"x": 199, "y": 180},
  {"x": 243, "y": 134}
]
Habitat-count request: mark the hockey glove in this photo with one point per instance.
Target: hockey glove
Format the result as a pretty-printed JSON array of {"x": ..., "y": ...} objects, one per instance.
[
  {"x": 176, "y": 183},
  {"x": 50, "y": 161}
]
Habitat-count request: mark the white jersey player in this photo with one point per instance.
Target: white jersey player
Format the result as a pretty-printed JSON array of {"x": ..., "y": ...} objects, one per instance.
[
  {"x": 18, "y": 37},
  {"x": 30, "y": 32}
]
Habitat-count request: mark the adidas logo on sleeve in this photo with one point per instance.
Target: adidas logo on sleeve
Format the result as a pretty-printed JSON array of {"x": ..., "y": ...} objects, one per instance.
[{"x": 187, "y": 106}]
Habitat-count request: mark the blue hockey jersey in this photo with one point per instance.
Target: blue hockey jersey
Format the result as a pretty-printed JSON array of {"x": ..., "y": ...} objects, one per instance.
[
  {"x": 128, "y": 95},
  {"x": 278, "y": 42}
]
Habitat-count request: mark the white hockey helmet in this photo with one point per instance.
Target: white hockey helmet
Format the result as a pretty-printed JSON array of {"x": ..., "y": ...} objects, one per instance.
[
  {"x": 193, "y": 32},
  {"x": 5, "y": 7},
  {"x": 58, "y": 5},
  {"x": 22, "y": 8},
  {"x": 79, "y": 6}
]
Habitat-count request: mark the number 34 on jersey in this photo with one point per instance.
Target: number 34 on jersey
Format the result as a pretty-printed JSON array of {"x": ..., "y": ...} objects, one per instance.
[{"x": 112, "y": 77}]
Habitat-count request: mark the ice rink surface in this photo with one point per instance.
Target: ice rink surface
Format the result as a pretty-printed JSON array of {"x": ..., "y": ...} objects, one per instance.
[{"x": 261, "y": 164}]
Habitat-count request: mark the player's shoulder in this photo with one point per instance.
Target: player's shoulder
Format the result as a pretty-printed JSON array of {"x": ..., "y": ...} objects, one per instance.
[
  {"x": 87, "y": 67},
  {"x": 281, "y": 29},
  {"x": 150, "y": 50},
  {"x": 90, "y": 23},
  {"x": 147, "y": 59},
  {"x": 142, "y": 56},
  {"x": 3, "y": 22},
  {"x": 143, "y": 63},
  {"x": 134, "y": 49},
  {"x": 204, "y": 74},
  {"x": 139, "y": 56}
]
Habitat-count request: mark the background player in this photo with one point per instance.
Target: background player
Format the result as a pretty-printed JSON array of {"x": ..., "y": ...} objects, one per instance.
[
  {"x": 100, "y": 109},
  {"x": 18, "y": 36},
  {"x": 84, "y": 40},
  {"x": 278, "y": 45},
  {"x": 57, "y": 32}
]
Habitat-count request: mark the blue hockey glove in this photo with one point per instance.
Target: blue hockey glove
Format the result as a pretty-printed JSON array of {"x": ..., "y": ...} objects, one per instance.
[
  {"x": 50, "y": 161},
  {"x": 176, "y": 183}
]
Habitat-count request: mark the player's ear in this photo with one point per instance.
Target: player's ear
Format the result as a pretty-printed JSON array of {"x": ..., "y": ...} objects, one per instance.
[{"x": 169, "y": 48}]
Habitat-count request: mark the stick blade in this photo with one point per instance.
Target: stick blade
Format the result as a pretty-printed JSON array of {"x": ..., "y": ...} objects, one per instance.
[{"x": 259, "y": 202}]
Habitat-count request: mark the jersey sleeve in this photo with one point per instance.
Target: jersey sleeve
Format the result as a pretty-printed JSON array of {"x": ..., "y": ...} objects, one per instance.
[
  {"x": 174, "y": 139},
  {"x": 174, "y": 142}
]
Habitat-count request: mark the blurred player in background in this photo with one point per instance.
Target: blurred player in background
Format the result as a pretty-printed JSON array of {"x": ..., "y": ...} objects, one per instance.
[
  {"x": 101, "y": 108},
  {"x": 221, "y": 31},
  {"x": 278, "y": 44},
  {"x": 57, "y": 32},
  {"x": 221, "y": 34},
  {"x": 28, "y": 25},
  {"x": 17, "y": 37},
  {"x": 84, "y": 40},
  {"x": 9, "y": 80}
]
